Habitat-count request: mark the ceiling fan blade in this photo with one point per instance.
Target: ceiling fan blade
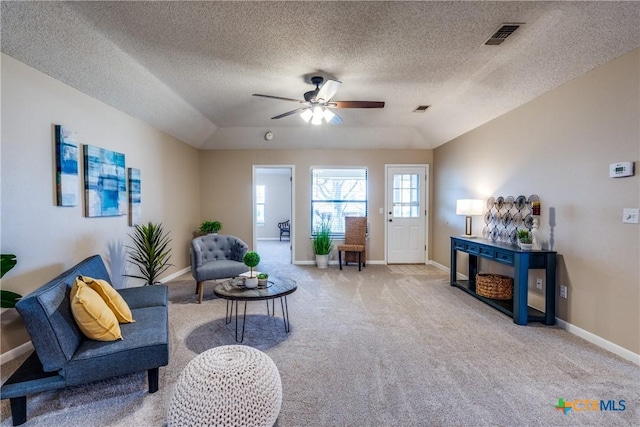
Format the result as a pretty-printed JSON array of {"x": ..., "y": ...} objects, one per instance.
[
  {"x": 356, "y": 104},
  {"x": 328, "y": 89},
  {"x": 288, "y": 113},
  {"x": 281, "y": 98}
]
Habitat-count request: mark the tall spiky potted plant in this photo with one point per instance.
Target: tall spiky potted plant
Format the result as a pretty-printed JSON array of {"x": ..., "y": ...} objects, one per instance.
[{"x": 150, "y": 252}]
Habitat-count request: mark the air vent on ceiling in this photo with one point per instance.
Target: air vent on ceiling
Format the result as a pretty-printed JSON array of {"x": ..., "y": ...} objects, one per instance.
[
  {"x": 421, "y": 108},
  {"x": 501, "y": 35}
]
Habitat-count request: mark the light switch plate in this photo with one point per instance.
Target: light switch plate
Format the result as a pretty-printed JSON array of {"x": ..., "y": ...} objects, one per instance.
[{"x": 630, "y": 215}]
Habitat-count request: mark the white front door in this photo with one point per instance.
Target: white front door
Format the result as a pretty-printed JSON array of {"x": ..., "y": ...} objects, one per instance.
[{"x": 406, "y": 214}]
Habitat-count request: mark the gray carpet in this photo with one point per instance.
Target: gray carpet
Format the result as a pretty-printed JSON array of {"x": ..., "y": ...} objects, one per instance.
[{"x": 387, "y": 346}]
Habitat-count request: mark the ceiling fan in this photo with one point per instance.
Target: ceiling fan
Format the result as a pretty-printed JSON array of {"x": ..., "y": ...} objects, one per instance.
[{"x": 318, "y": 103}]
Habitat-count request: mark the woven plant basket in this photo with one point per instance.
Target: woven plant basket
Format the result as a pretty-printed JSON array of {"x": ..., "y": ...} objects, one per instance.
[{"x": 494, "y": 286}]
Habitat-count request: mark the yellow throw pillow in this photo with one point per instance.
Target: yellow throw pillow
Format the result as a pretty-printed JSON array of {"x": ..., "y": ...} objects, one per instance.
[
  {"x": 114, "y": 300},
  {"x": 94, "y": 318}
]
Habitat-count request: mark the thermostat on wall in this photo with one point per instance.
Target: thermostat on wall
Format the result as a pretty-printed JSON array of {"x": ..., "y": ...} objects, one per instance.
[{"x": 618, "y": 170}]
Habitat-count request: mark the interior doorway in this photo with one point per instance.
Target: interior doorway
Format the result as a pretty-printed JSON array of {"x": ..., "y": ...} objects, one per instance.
[{"x": 273, "y": 201}]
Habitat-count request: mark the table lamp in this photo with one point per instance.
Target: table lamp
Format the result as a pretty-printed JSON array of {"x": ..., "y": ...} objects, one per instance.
[{"x": 468, "y": 207}]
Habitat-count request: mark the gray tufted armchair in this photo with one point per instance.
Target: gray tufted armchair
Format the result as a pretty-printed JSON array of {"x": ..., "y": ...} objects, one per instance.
[{"x": 216, "y": 256}]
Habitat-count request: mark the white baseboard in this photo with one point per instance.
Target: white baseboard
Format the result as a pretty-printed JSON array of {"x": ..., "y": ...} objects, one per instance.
[
  {"x": 335, "y": 262},
  {"x": 138, "y": 283},
  {"x": 438, "y": 265},
  {"x": 599, "y": 341},
  {"x": 447, "y": 269},
  {"x": 176, "y": 274},
  {"x": 15, "y": 352}
]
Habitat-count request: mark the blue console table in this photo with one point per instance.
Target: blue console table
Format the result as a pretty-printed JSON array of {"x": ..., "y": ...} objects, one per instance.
[{"x": 522, "y": 261}]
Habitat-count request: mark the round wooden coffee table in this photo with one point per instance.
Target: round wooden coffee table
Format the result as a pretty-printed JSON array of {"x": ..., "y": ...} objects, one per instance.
[{"x": 234, "y": 291}]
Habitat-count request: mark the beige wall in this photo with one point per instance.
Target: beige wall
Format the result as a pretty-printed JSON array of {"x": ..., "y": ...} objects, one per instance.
[
  {"x": 559, "y": 146},
  {"x": 48, "y": 239},
  {"x": 227, "y": 197}
]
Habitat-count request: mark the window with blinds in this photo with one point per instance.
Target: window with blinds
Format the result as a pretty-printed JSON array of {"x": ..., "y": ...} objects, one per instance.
[{"x": 336, "y": 193}]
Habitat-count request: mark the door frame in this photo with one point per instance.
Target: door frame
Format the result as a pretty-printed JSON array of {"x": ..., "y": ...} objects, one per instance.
[
  {"x": 254, "y": 234},
  {"x": 427, "y": 215}
]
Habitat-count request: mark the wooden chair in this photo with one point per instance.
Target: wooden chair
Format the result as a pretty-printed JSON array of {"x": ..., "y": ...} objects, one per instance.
[
  {"x": 355, "y": 235},
  {"x": 284, "y": 229}
]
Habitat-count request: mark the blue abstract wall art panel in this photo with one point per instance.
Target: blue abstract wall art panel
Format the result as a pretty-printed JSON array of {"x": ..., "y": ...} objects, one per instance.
[
  {"x": 66, "y": 167},
  {"x": 134, "y": 196},
  {"x": 105, "y": 182}
]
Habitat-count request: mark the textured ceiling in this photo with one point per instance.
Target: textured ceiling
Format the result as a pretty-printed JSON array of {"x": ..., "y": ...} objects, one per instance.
[{"x": 189, "y": 68}]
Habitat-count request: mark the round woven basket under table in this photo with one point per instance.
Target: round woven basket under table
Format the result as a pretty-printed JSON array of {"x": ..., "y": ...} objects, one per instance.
[
  {"x": 494, "y": 286},
  {"x": 232, "y": 385}
]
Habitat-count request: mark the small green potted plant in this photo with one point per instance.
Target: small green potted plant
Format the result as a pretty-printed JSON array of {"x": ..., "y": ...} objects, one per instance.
[
  {"x": 263, "y": 278},
  {"x": 210, "y": 227},
  {"x": 251, "y": 259},
  {"x": 322, "y": 243},
  {"x": 9, "y": 299},
  {"x": 525, "y": 240}
]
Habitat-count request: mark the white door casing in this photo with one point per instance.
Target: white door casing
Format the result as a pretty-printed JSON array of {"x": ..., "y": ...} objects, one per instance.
[
  {"x": 406, "y": 213},
  {"x": 291, "y": 169}
]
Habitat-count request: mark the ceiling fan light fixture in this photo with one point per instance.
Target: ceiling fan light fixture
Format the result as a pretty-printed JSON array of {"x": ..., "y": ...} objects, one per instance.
[
  {"x": 306, "y": 115},
  {"x": 318, "y": 114},
  {"x": 317, "y": 103}
]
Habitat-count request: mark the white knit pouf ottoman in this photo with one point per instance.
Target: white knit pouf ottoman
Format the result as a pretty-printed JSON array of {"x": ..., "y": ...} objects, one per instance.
[{"x": 231, "y": 385}]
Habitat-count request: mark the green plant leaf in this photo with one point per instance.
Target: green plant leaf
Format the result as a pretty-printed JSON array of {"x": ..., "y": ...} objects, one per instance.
[
  {"x": 8, "y": 299},
  {"x": 7, "y": 261}
]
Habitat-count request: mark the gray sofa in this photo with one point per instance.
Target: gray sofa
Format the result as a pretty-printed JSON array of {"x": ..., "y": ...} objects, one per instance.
[
  {"x": 65, "y": 357},
  {"x": 216, "y": 256}
]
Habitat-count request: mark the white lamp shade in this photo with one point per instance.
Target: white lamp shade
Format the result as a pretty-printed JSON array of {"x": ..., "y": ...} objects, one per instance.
[
  {"x": 306, "y": 115},
  {"x": 318, "y": 114},
  {"x": 469, "y": 207}
]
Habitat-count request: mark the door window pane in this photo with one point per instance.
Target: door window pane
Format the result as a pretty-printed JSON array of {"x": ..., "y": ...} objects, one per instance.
[{"x": 406, "y": 199}]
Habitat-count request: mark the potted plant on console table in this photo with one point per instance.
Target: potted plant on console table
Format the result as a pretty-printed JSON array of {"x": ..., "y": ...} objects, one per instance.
[{"x": 524, "y": 240}]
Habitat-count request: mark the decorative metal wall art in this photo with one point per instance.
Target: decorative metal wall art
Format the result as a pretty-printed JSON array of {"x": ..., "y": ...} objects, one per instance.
[{"x": 505, "y": 215}]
